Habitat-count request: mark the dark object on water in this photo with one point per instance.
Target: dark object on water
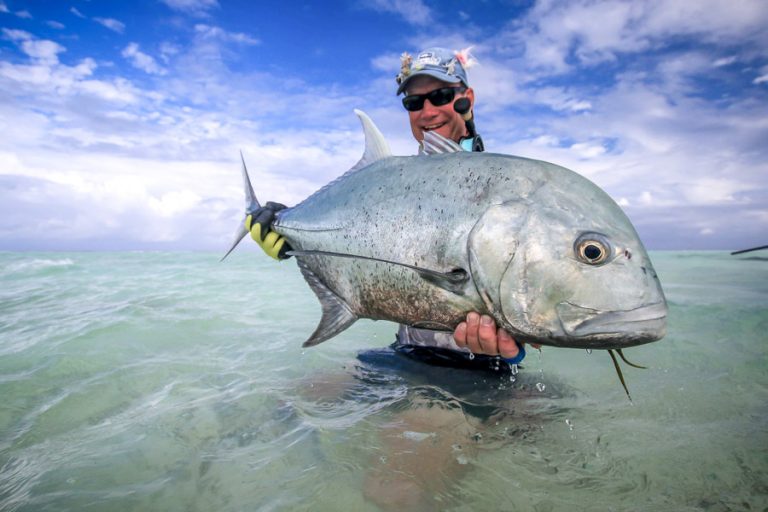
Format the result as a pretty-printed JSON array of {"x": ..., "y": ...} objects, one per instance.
[{"x": 749, "y": 250}]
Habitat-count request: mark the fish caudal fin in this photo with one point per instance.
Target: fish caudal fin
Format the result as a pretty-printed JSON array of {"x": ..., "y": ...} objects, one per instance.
[
  {"x": 337, "y": 315},
  {"x": 251, "y": 204}
]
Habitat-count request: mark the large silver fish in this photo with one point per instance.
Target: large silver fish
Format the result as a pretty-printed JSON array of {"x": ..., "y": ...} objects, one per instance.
[{"x": 423, "y": 240}]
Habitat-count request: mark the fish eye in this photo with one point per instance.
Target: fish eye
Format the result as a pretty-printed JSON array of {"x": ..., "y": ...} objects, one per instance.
[{"x": 592, "y": 248}]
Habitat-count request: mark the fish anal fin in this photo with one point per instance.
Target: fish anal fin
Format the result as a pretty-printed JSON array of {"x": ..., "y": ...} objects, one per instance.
[{"x": 337, "y": 315}]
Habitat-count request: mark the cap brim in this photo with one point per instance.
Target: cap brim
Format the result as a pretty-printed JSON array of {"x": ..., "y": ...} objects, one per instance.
[{"x": 451, "y": 79}]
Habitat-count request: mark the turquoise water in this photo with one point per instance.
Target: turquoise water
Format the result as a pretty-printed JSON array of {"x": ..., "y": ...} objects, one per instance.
[{"x": 160, "y": 381}]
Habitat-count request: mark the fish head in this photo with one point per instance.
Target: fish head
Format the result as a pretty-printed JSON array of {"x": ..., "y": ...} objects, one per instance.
[{"x": 567, "y": 273}]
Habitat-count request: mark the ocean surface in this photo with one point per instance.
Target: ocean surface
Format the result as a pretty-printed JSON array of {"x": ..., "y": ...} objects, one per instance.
[{"x": 172, "y": 382}]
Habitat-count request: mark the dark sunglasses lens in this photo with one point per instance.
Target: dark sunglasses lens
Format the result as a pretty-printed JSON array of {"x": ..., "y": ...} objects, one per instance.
[
  {"x": 442, "y": 96},
  {"x": 414, "y": 103},
  {"x": 438, "y": 98}
]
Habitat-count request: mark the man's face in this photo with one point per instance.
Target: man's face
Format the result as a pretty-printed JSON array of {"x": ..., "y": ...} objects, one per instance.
[{"x": 443, "y": 119}]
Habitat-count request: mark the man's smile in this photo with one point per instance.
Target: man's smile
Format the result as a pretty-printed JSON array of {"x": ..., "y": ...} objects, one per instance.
[{"x": 433, "y": 127}]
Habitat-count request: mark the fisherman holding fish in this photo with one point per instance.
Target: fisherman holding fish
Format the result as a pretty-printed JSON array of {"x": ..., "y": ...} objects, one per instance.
[
  {"x": 438, "y": 98},
  {"x": 511, "y": 228}
]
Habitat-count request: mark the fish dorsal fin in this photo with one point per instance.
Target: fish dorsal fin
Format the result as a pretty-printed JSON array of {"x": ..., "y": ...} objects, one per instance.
[
  {"x": 434, "y": 144},
  {"x": 376, "y": 146},
  {"x": 337, "y": 315}
]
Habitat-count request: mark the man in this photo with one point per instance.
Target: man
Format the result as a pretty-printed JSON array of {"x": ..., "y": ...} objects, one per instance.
[{"x": 432, "y": 84}]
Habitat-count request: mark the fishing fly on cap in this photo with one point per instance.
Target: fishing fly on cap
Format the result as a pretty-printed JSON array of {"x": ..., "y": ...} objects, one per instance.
[{"x": 440, "y": 63}]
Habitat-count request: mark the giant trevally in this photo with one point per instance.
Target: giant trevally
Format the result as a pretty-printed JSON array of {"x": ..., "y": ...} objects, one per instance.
[{"x": 423, "y": 240}]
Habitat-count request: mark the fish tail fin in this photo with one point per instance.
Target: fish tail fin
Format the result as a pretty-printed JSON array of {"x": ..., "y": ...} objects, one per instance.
[{"x": 251, "y": 204}]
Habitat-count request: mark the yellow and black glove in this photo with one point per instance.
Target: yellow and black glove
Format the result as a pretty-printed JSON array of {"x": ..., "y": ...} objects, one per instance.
[{"x": 259, "y": 223}]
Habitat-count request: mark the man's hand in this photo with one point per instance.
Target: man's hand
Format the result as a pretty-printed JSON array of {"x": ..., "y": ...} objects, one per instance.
[
  {"x": 259, "y": 224},
  {"x": 480, "y": 335}
]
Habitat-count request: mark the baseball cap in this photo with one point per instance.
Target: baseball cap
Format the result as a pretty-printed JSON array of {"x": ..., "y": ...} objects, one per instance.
[{"x": 440, "y": 63}]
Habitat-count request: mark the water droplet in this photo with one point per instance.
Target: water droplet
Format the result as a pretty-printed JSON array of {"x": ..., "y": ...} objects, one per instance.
[
  {"x": 569, "y": 423},
  {"x": 471, "y": 356},
  {"x": 383, "y": 459},
  {"x": 541, "y": 386},
  {"x": 478, "y": 437},
  {"x": 514, "y": 369},
  {"x": 589, "y": 351}
]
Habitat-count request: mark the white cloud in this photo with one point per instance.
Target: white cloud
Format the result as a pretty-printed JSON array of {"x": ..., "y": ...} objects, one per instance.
[
  {"x": 16, "y": 35},
  {"x": 596, "y": 31},
  {"x": 414, "y": 12},
  {"x": 77, "y": 13},
  {"x": 55, "y": 24},
  {"x": 111, "y": 24},
  {"x": 646, "y": 198},
  {"x": 209, "y": 32},
  {"x": 588, "y": 150},
  {"x": 43, "y": 51},
  {"x": 162, "y": 164},
  {"x": 4, "y": 8},
  {"x": 168, "y": 50},
  {"x": 194, "y": 7},
  {"x": 24, "y": 14},
  {"x": 45, "y": 75},
  {"x": 141, "y": 60},
  {"x": 725, "y": 61}
]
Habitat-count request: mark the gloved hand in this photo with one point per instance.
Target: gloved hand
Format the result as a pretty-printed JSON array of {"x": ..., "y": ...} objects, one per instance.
[{"x": 259, "y": 223}]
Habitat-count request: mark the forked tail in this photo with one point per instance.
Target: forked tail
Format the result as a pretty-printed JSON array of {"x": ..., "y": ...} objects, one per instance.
[{"x": 251, "y": 205}]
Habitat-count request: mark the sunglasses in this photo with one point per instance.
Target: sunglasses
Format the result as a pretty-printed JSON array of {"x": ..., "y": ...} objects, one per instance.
[{"x": 438, "y": 97}]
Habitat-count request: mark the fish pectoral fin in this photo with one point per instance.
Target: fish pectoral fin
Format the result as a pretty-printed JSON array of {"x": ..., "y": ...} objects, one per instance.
[
  {"x": 454, "y": 281},
  {"x": 337, "y": 315}
]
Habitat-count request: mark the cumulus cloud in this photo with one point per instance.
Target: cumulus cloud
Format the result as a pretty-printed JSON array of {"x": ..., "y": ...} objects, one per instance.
[
  {"x": 45, "y": 75},
  {"x": 589, "y": 32},
  {"x": 141, "y": 60},
  {"x": 111, "y": 24}
]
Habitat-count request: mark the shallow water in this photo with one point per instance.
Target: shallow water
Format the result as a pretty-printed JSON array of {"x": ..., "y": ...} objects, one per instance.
[{"x": 159, "y": 381}]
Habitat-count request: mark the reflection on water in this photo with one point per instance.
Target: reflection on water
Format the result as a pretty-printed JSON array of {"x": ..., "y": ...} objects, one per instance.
[{"x": 169, "y": 382}]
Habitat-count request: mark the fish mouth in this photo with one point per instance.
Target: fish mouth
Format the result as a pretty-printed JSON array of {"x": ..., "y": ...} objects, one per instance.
[{"x": 634, "y": 326}]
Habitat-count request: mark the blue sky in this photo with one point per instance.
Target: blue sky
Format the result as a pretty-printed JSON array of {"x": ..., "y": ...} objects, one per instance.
[{"x": 122, "y": 122}]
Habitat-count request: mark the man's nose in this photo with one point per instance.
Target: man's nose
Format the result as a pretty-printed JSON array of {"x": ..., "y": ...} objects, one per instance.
[{"x": 429, "y": 108}]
